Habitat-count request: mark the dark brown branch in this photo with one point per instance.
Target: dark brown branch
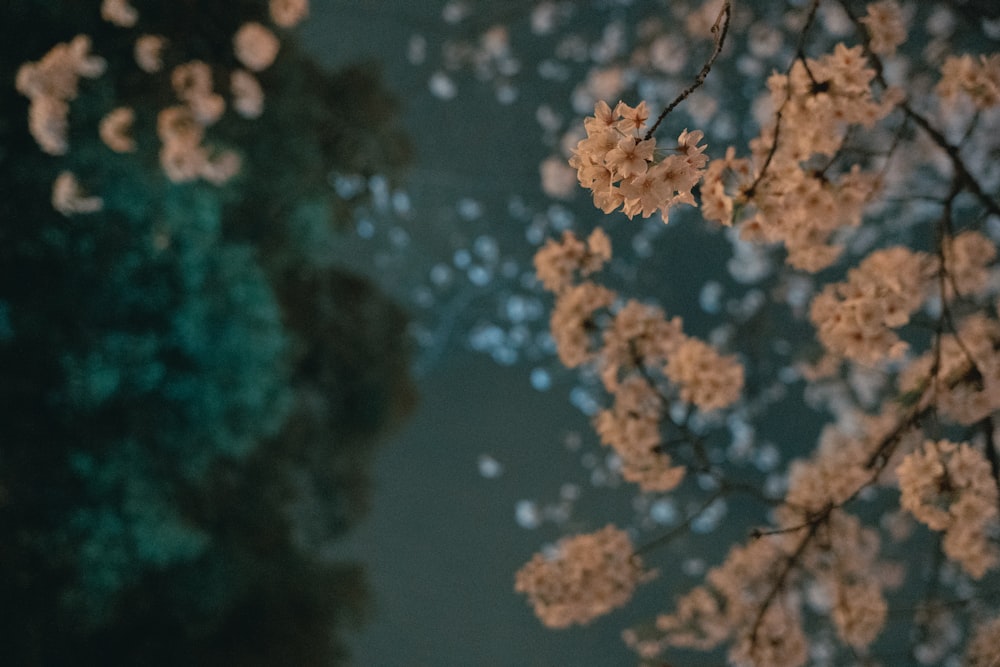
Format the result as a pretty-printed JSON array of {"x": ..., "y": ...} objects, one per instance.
[
  {"x": 719, "y": 29},
  {"x": 961, "y": 171},
  {"x": 800, "y": 56},
  {"x": 682, "y": 527},
  {"x": 956, "y": 159},
  {"x": 988, "y": 427},
  {"x": 786, "y": 569}
]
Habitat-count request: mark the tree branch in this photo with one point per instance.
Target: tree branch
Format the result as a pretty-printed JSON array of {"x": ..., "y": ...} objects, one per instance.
[{"x": 719, "y": 29}]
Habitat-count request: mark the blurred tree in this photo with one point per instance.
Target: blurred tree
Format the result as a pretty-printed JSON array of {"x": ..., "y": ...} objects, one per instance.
[{"x": 189, "y": 397}]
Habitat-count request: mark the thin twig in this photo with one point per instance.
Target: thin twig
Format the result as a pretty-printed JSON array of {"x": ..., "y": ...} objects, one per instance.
[
  {"x": 936, "y": 135},
  {"x": 719, "y": 29},
  {"x": 800, "y": 56},
  {"x": 683, "y": 526},
  {"x": 786, "y": 569}
]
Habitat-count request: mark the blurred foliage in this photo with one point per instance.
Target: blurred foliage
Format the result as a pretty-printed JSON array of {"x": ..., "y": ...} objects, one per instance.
[{"x": 189, "y": 397}]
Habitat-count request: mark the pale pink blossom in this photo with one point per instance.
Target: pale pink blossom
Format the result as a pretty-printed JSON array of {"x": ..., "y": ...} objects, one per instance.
[
  {"x": 558, "y": 263},
  {"x": 248, "y": 96},
  {"x": 51, "y": 83},
  {"x": 68, "y": 196},
  {"x": 119, "y": 12},
  {"x": 288, "y": 13},
  {"x": 149, "y": 53},
  {"x": 115, "y": 130},
  {"x": 588, "y": 576},
  {"x": 950, "y": 487},
  {"x": 886, "y": 26},
  {"x": 255, "y": 46}
]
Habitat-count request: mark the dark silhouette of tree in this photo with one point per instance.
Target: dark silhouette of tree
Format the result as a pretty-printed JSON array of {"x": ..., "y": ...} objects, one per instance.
[{"x": 189, "y": 401}]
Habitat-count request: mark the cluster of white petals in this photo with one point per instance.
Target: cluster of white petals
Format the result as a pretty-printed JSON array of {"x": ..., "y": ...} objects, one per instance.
[
  {"x": 622, "y": 169},
  {"x": 950, "y": 487},
  {"x": 641, "y": 357},
  {"x": 181, "y": 128},
  {"x": 741, "y": 601},
  {"x": 182, "y": 153},
  {"x": 588, "y": 576},
  {"x": 51, "y": 83},
  {"x": 744, "y": 582},
  {"x": 697, "y": 621},
  {"x": 846, "y": 567}
]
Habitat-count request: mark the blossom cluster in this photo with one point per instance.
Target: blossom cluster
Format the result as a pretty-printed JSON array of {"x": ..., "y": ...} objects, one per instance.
[
  {"x": 819, "y": 559},
  {"x": 119, "y": 12},
  {"x": 68, "y": 196},
  {"x": 180, "y": 128},
  {"x": 192, "y": 83},
  {"x": 905, "y": 314},
  {"x": 856, "y": 319},
  {"x": 783, "y": 198},
  {"x": 585, "y": 577},
  {"x": 706, "y": 378},
  {"x": 572, "y": 322},
  {"x": 978, "y": 78},
  {"x": 982, "y": 648},
  {"x": 558, "y": 262},
  {"x": 183, "y": 156},
  {"x": 632, "y": 427},
  {"x": 115, "y": 129},
  {"x": 631, "y": 347},
  {"x": 963, "y": 372},
  {"x": 708, "y": 615},
  {"x": 248, "y": 96},
  {"x": 51, "y": 84},
  {"x": 886, "y": 25},
  {"x": 148, "y": 52},
  {"x": 637, "y": 338},
  {"x": 950, "y": 487},
  {"x": 622, "y": 169},
  {"x": 288, "y": 13},
  {"x": 255, "y": 46}
]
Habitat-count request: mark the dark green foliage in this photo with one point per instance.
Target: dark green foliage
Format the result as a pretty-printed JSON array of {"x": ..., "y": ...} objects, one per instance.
[{"x": 188, "y": 400}]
